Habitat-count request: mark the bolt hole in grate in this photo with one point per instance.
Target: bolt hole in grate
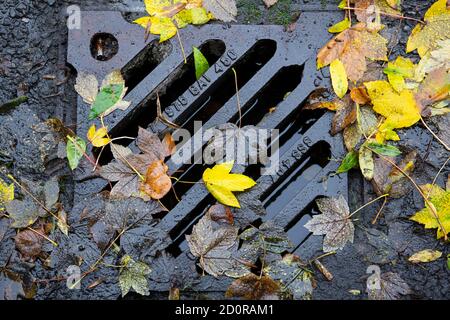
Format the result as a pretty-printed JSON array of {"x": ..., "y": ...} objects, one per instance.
[{"x": 276, "y": 74}]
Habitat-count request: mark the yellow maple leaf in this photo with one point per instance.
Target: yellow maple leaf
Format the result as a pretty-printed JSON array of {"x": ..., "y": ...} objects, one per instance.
[
  {"x": 221, "y": 183},
  {"x": 399, "y": 109},
  {"x": 425, "y": 37},
  {"x": 166, "y": 16},
  {"x": 98, "y": 138},
  {"x": 6, "y": 194},
  {"x": 441, "y": 201}
]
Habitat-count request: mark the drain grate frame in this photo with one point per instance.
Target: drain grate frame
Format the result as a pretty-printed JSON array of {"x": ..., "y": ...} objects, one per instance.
[{"x": 295, "y": 49}]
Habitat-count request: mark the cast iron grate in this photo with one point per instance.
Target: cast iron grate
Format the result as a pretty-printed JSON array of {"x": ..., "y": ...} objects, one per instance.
[{"x": 269, "y": 62}]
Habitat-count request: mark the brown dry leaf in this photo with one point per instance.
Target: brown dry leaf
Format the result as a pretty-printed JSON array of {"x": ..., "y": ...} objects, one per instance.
[
  {"x": 345, "y": 115},
  {"x": 433, "y": 89},
  {"x": 169, "y": 144},
  {"x": 29, "y": 243},
  {"x": 388, "y": 179},
  {"x": 359, "y": 95},
  {"x": 157, "y": 183},
  {"x": 253, "y": 287},
  {"x": 221, "y": 213},
  {"x": 352, "y": 47}
]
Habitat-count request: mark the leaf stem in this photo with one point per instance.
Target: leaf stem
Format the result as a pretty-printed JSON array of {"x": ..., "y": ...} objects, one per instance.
[
  {"x": 43, "y": 236},
  {"x": 367, "y": 204},
  {"x": 434, "y": 134},
  {"x": 397, "y": 16},
  {"x": 237, "y": 96}
]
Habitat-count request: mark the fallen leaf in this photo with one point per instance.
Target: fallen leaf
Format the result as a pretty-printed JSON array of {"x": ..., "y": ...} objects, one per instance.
[
  {"x": 62, "y": 222},
  {"x": 392, "y": 287},
  {"x": 98, "y": 138},
  {"x": 389, "y": 180},
  {"x": 340, "y": 26},
  {"x": 338, "y": 78},
  {"x": 200, "y": 62},
  {"x": 221, "y": 213},
  {"x": 29, "y": 243},
  {"x": 385, "y": 6},
  {"x": 440, "y": 199},
  {"x": 435, "y": 59},
  {"x": 334, "y": 223},
  {"x": 359, "y": 95},
  {"x": 398, "y": 70},
  {"x": 129, "y": 170},
  {"x": 290, "y": 272},
  {"x": 345, "y": 115},
  {"x": 133, "y": 276},
  {"x": 424, "y": 37},
  {"x": 352, "y": 47},
  {"x": 221, "y": 183},
  {"x": 25, "y": 212},
  {"x": 366, "y": 163},
  {"x": 434, "y": 88},
  {"x": 157, "y": 183},
  {"x": 87, "y": 87},
  {"x": 365, "y": 126},
  {"x": 76, "y": 147},
  {"x": 399, "y": 109},
  {"x": 224, "y": 10},
  {"x": 215, "y": 246},
  {"x": 384, "y": 149},
  {"x": 349, "y": 162},
  {"x": 6, "y": 194},
  {"x": 427, "y": 255},
  {"x": 253, "y": 287}
]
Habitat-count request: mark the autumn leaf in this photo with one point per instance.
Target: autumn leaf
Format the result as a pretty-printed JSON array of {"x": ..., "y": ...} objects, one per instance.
[
  {"x": 340, "y": 26},
  {"x": 441, "y": 200},
  {"x": 435, "y": 59},
  {"x": 349, "y": 162},
  {"x": 366, "y": 124},
  {"x": 434, "y": 88},
  {"x": 6, "y": 194},
  {"x": 386, "y": 6},
  {"x": 352, "y": 47},
  {"x": 427, "y": 255},
  {"x": 75, "y": 149},
  {"x": 110, "y": 96},
  {"x": 399, "y": 109},
  {"x": 392, "y": 287},
  {"x": 334, "y": 222},
  {"x": 253, "y": 287},
  {"x": 221, "y": 183},
  {"x": 133, "y": 276},
  {"x": 224, "y": 10},
  {"x": 295, "y": 281},
  {"x": 29, "y": 243},
  {"x": 384, "y": 149},
  {"x": 359, "y": 95},
  {"x": 338, "y": 78},
  {"x": 389, "y": 180},
  {"x": 157, "y": 183},
  {"x": 129, "y": 170},
  {"x": 166, "y": 16},
  {"x": 366, "y": 163},
  {"x": 98, "y": 138},
  {"x": 398, "y": 70},
  {"x": 425, "y": 37},
  {"x": 200, "y": 62},
  {"x": 25, "y": 212},
  {"x": 215, "y": 246}
]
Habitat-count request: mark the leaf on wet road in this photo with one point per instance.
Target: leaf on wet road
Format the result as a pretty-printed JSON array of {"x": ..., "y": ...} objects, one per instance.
[
  {"x": 253, "y": 287},
  {"x": 133, "y": 275},
  {"x": 426, "y": 255},
  {"x": 98, "y": 138},
  {"x": 334, "y": 223},
  {"x": 392, "y": 287}
]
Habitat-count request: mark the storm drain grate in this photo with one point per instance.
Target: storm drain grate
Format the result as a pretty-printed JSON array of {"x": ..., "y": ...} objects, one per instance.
[{"x": 270, "y": 63}]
